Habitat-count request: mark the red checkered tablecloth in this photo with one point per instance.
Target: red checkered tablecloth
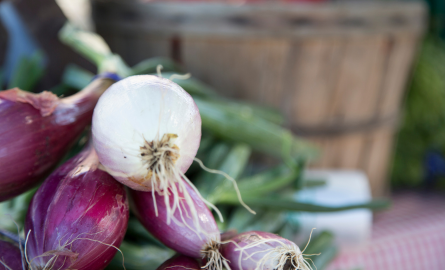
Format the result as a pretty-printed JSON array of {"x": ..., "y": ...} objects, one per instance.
[{"x": 409, "y": 236}]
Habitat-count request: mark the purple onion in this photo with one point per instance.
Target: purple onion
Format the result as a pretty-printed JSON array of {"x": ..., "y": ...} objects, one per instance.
[
  {"x": 194, "y": 237},
  {"x": 10, "y": 256},
  {"x": 77, "y": 218},
  {"x": 180, "y": 262},
  {"x": 37, "y": 130},
  {"x": 257, "y": 250}
]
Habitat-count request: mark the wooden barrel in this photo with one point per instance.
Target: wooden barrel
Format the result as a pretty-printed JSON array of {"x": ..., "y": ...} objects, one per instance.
[{"x": 337, "y": 70}]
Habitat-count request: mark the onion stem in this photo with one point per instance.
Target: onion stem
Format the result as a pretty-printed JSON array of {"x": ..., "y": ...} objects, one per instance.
[{"x": 290, "y": 205}]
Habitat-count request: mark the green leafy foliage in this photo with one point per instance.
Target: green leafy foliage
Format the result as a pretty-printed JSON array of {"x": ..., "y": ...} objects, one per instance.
[
  {"x": 28, "y": 72},
  {"x": 423, "y": 126},
  {"x": 139, "y": 257},
  {"x": 13, "y": 212}
]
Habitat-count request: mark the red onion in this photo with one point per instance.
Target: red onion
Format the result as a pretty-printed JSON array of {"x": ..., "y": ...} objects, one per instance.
[
  {"x": 77, "y": 218},
  {"x": 196, "y": 238},
  {"x": 10, "y": 256},
  {"x": 36, "y": 131},
  {"x": 180, "y": 262},
  {"x": 257, "y": 250}
]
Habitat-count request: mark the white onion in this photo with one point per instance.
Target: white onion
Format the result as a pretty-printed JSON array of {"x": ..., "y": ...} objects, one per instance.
[{"x": 141, "y": 111}]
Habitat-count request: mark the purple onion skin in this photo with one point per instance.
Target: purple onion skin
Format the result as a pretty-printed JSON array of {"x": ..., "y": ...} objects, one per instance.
[
  {"x": 179, "y": 238},
  {"x": 37, "y": 130},
  {"x": 78, "y": 200},
  {"x": 10, "y": 255},
  {"x": 243, "y": 239},
  {"x": 180, "y": 262}
]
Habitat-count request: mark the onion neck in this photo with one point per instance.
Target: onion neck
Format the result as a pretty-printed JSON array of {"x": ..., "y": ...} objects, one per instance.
[
  {"x": 90, "y": 93},
  {"x": 88, "y": 160}
]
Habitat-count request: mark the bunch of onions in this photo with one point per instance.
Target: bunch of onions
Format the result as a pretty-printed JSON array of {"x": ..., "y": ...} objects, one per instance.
[
  {"x": 200, "y": 241},
  {"x": 37, "y": 130},
  {"x": 10, "y": 256},
  {"x": 257, "y": 250},
  {"x": 77, "y": 218},
  {"x": 180, "y": 262}
]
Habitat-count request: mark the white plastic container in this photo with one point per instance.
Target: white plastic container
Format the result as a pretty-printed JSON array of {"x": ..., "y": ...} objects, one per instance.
[{"x": 351, "y": 227}]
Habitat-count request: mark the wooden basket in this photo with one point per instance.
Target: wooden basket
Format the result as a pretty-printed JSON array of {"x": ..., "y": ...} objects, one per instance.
[{"x": 337, "y": 70}]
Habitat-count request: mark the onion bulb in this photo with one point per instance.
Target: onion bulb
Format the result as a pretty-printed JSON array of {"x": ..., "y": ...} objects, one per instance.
[
  {"x": 146, "y": 131},
  {"x": 10, "y": 256},
  {"x": 37, "y": 130},
  {"x": 198, "y": 240},
  {"x": 77, "y": 218},
  {"x": 180, "y": 262},
  {"x": 257, "y": 250}
]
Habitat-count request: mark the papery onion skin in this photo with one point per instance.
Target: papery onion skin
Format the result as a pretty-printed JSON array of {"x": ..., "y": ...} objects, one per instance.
[
  {"x": 10, "y": 255},
  {"x": 232, "y": 254},
  {"x": 176, "y": 236},
  {"x": 180, "y": 262},
  {"x": 37, "y": 130},
  {"x": 77, "y": 201},
  {"x": 135, "y": 110}
]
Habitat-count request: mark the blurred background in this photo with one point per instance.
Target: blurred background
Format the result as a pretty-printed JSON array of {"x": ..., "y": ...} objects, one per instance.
[{"x": 362, "y": 81}]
